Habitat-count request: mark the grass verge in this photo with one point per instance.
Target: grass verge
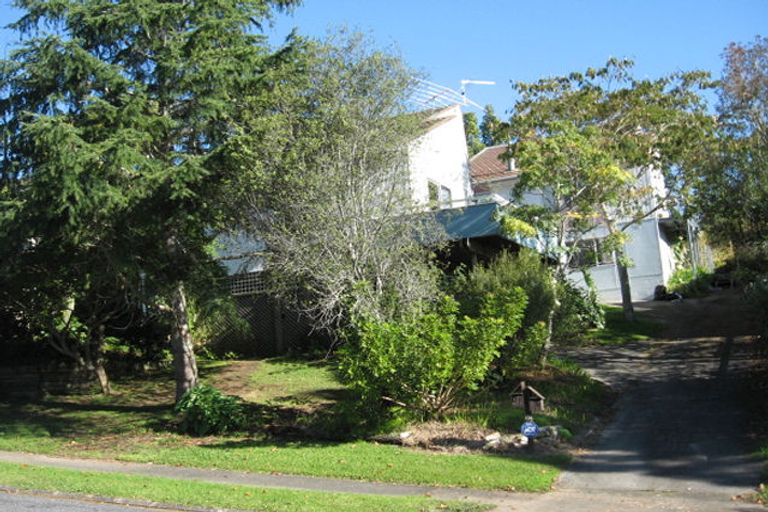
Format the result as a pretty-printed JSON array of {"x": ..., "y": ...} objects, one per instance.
[
  {"x": 211, "y": 495},
  {"x": 131, "y": 435},
  {"x": 134, "y": 425},
  {"x": 618, "y": 330}
]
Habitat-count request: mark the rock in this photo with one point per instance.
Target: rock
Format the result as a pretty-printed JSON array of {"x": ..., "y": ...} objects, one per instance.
[
  {"x": 493, "y": 437},
  {"x": 405, "y": 435},
  {"x": 552, "y": 431}
]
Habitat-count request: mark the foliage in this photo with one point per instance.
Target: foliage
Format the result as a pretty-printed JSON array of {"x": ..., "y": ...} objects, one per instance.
[
  {"x": 579, "y": 311},
  {"x": 204, "y": 410},
  {"x": 525, "y": 270},
  {"x": 738, "y": 164},
  {"x": 597, "y": 142},
  {"x": 340, "y": 220},
  {"x": 121, "y": 124},
  {"x": 492, "y": 130},
  {"x": 757, "y": 297},
  {"x": 424, "y": 361},
  {"x": 472, "y": 133},
  {"x": 689, "y": 282}
]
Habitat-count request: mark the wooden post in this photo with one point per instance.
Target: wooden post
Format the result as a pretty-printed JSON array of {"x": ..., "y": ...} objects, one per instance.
[{"x": 526, "y": 398}]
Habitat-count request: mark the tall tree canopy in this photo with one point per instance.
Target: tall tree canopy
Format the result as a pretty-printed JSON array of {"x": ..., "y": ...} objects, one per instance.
[
  {"x": 492, "y": 130},
  {"x": 472, "y": 133},
  {"x": 595, "y": 143},
  {"x": 339, "y": 223},
  {"x": 731, "y": 188},
  {"x": 121, "y": 126}
]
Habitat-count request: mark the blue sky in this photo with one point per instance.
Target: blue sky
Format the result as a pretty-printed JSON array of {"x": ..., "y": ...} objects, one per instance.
[{"x": 451, "y": 40}]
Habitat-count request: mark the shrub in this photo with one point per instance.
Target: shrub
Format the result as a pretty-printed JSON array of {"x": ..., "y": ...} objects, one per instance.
[
  {"x": 526, "y": 271},
  {"x": 579, "y": 311},
  {"x": 757, "y": 297},
  {"x": 204, "y": 410},
  {"x": 423, "y": 362},
  {"x": 689, "y": 282}
]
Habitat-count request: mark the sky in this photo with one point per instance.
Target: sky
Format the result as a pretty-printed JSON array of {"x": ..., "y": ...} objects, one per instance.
[{"x": 516, "y": 40}]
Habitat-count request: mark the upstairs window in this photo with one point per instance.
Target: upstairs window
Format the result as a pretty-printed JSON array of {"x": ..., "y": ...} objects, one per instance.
[
  {"x": 439, "y": 195},
  {"x": 590, "y": 253}
]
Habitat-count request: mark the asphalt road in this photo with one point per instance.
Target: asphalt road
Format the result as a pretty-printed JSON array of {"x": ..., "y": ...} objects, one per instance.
[{"x": 23, "y": 502}]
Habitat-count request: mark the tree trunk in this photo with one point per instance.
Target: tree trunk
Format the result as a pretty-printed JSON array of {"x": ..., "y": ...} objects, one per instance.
[
  {"x": 184, "y": 363},
  {"x": 96, "y": 363},
  {"x": 626, "y": 291},
  {"x": 547, "y": 347},
  {"x": 101, "y": 374}
]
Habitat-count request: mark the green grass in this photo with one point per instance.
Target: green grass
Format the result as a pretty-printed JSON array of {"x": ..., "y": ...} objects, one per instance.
[
  {"x": 286, "y": 381},
  {"x": 291, "y": 396},
  {"x": 133, "y": 435},
  {"x": 618, "y": 330},
  {"x": 211, "y": 495},
  {"x": 573, "y": 400},
  {"x": 359, "y": 461}
]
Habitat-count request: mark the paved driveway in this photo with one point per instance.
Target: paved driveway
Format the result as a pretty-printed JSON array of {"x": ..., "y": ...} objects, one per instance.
[{"x": 681, "y": 431}]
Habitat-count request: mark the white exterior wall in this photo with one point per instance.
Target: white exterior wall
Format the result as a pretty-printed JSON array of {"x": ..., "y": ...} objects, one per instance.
[
  {"x": 504, "y": 187},
  {"x": 649, "y": 254},
  {"x": 647, "y": 248},
  {"x": 440, "y": 156}
]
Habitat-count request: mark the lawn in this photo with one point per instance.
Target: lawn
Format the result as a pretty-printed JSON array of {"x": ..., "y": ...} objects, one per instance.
[
  {"x": 212, "y": 495},
  {"x": 618, "y": 330},
  {"x": 135, "y": 424}
]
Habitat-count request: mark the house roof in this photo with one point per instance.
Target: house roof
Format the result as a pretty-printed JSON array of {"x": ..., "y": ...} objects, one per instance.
[
  {"x": 489, "y": 164},
  {"x": 473, "y": 221},
  {"x": 478, "y": 221}
]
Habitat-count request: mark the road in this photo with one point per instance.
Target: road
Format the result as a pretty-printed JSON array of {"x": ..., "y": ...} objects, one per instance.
[{"x": 28, "y": 502}]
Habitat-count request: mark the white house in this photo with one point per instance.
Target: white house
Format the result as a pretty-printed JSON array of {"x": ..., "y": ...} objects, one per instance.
[
  {"x": 649, "y": 246},
  {"x": 439, "y": 162}
]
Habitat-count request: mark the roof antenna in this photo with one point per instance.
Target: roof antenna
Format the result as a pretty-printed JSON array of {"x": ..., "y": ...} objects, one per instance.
[
  {"x": 429, "y": 94},
  {"x": 464, "y": 84}
]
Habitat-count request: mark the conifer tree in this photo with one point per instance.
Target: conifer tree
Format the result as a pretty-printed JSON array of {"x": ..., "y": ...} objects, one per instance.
[{"x": 120, "y": 125}]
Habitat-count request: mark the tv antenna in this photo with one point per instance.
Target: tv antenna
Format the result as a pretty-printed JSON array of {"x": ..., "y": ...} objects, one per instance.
[{"x": 431, "y": 95}]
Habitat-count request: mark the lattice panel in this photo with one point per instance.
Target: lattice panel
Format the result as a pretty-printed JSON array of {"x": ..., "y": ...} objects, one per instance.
[{"x": 251, "y": 283}]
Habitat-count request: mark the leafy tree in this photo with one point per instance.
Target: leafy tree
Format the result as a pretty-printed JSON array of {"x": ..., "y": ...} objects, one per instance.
[
  {"x": 472, "y": 133},
  {"x": 731, "y": 187},
  {"x": 492, "y": 130},
  {"x": 340, "y": 226},
  {"x": 424, "y": 361},
  {"x": 595, "y": 143},
  {"x": 120, "y": 126}
]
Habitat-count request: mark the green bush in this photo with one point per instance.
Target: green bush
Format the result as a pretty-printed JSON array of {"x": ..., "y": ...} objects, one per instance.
[
  {"x": 579, "y": 311},
  {"x": 689, "y": 282},
  {"x": 204, "y": 410},
  {"x": 423, "y": 362},
  {"x": 757, "y": 297},
  {"x": 526, "y": 271}
]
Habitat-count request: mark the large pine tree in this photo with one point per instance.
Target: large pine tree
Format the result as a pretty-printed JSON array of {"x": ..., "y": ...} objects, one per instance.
[{"x": 120, "y": 126}]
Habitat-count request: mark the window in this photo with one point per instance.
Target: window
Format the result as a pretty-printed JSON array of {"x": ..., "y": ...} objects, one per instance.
[
  {"x": 439, "y": 195},
  {"x": 589, "y": 253},
  {"x": 444, "y": 196}
]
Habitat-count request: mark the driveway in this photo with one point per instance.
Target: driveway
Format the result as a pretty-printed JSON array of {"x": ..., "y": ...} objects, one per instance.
[{"x": 680, "y": 436}]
